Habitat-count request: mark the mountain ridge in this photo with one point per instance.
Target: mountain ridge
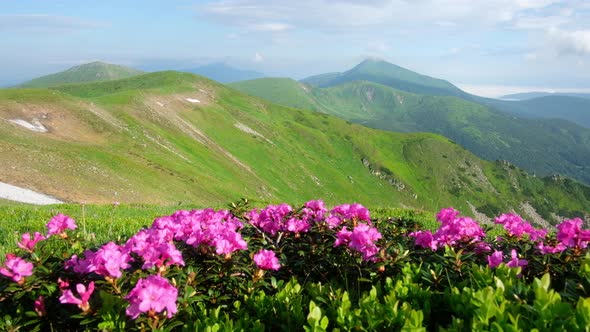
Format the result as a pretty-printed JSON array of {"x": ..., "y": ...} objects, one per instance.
[
  {"x": 544, "y": 146},
  {"x": 169, "y": 137},
  {"x": 383, "y": 72},
  {"x": 89, "y": 72}
]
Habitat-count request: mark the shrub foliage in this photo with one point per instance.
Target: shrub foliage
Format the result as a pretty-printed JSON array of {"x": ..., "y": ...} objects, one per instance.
[{"x": 311, "y": 268}]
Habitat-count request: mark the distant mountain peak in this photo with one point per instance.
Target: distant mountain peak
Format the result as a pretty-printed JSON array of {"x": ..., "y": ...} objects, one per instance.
[
  {"x": 89, "y": 72},
  {"x": 382, "y": 72}
]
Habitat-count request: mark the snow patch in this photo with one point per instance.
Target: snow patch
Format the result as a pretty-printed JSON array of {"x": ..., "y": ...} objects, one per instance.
[
  {"x": 14, "y": 193},
  {"x": 251, "y": 131},
  {"x": 304, "y": 87},
  {"x": 35, "y": 125},
  {"x": 191, "y": 100}
]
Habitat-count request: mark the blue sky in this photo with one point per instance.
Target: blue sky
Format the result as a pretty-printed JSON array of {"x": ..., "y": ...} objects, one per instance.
[{"x": 488, "y": 46}]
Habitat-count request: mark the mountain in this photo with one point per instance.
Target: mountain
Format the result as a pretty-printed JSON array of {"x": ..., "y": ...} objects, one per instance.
[
  {"x": 573, "y": 109},
  {"x": 383, "y": 72},
  {"x": 538, "y": 145},
  {"x": 224, "y": 73},
  {"x": 171, "y": 137},
  {"x": 531, "y": 95},
  {"x": 90, "y": 72}
]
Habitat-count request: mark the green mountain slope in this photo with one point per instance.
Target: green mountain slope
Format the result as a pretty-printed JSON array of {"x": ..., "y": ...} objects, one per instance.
[
  {"x": 172, "y": 137},
  {"x": 90, "y": 72},
  {"x": 386, "y": 73},
  {"x": 543, "y": 146}
]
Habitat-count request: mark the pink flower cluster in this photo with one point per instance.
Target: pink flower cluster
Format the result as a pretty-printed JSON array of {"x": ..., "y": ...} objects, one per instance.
[
  {"x": 59, "y": 224},
  {"x": 206, "y": 227},
  {"x": 497, "y": 258},
  {"x": 155, "y": 247},
  {"x": 153, "y": 294},
  {"x": 282, "y": 218},
  {"x": 16, "y": 268},
  {"x": 340, "y": 213},
  {"x": 108, "y": 261},
  {"x": 266, "y": 260},
  {"x": 569, "y": 235},
  {"x": 516, "y": 227},
  {"x": 362, "y": 239},
  {"x": 453, "y": 230},
  {"x": 572, "y": 235},
  {"x": 84, "y": 294},
  {"x": 27, "y": 243}
]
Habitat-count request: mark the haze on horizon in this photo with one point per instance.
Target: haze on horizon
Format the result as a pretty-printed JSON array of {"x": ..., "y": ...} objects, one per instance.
[{"x": 489, "y": 47}]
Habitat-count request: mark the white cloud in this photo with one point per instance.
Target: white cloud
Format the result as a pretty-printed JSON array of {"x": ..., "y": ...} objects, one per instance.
[
  {"x": 258, "y": 57},
  {"x": 569, "y": 42},
  {"x": 271, "y": 27},
  {"x": 42, "y": 21},
  {"x": 377, "y": 47},
  {"x": 531, "y": 56},
  {"x": 348, "y": 14}
]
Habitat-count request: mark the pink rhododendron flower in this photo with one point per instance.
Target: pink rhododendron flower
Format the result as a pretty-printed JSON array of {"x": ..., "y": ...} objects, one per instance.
[
  {"x": 155, "y": 247},
  {"x": 84, "y": 296},
  {"x": 153, "y": 293},
  {"x": 315, "y": 210},
  {"x": 495, "y": 259},
  {"x": 63, "y": 284},
  {"x": 424, "y": 239},
  {"x": 546, "y": 249},
  {"x": 363, "y": 239},
  {"x": 452, "y": 231},
  {"x": 515, "y": 262},
  {"x": 109, "y": 260},
  {"x": 481, "y": 247},
  {"x": 271, "y": 219},
  {"x": 295, "y": 225},
  {"x": 343, "y": 212},
  {"x": 16, "y": 268},
  {"x": 59, "y": 224},
  {"x": 517, "y": 227},
  {"x": 81, "y": 265},
  {"x": 447, "y": 215},
  {"x": 28, "y": 244},
  {"x": 226, "y": 243},
  {"x": 266, "y": 260},
  {"x": 39, "y": 306},
  {"x": 342, "y": 237},
  {"x": 208, "y": 227},
  {"x": 571, "y": 233}
]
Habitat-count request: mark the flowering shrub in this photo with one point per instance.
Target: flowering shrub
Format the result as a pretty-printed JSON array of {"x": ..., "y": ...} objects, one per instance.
[{"x": 285, "y": 268}]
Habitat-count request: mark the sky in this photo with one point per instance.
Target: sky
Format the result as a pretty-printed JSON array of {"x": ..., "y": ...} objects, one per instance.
[{"x": 488, "y": 47}]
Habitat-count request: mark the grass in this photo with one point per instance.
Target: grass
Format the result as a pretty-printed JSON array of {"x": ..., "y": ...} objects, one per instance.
[
  {"x": 542, "y": 146},
  {"x": 110, "y": 222},
  {"x": 104, "y": 222}
]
